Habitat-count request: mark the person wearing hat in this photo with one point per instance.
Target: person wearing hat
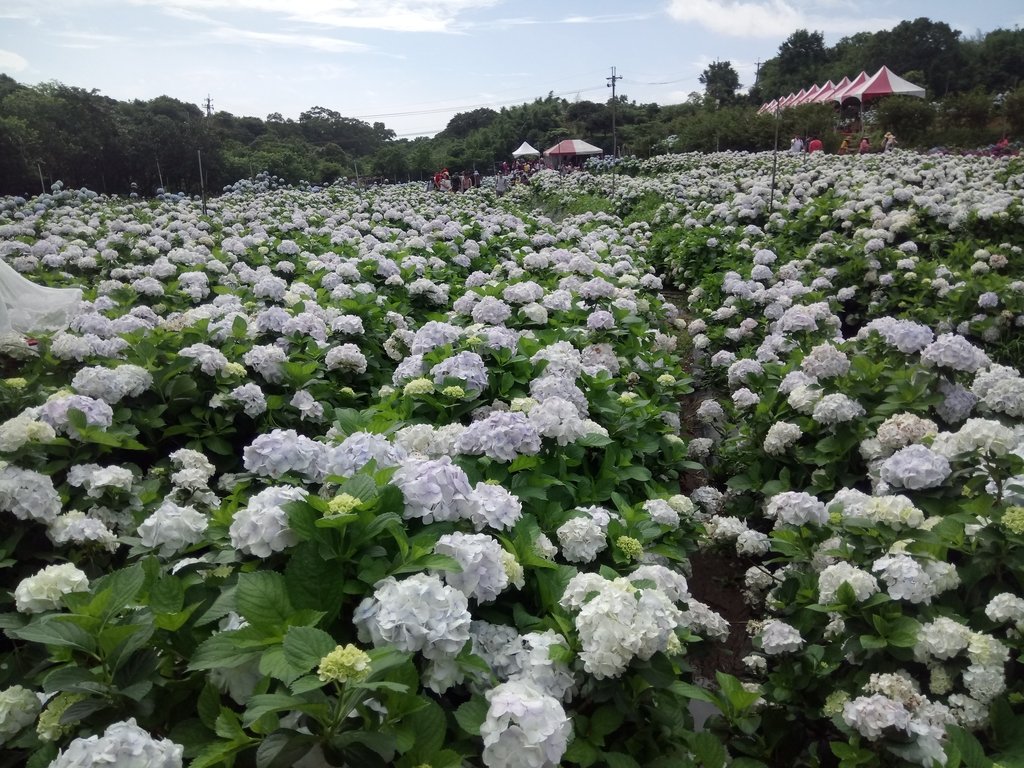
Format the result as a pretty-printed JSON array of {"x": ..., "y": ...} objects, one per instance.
[
  {"x": 889, "y": 142},
  {"x": 865, "y": 145}
]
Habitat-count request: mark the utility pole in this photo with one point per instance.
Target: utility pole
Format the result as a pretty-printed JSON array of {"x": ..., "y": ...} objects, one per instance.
[
  {"x": 757, "y": 72},
  {"x": 209, "y": 105},
  {"x": 611, "y": 84}
]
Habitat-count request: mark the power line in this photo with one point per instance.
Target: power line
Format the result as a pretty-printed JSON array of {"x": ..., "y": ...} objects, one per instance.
[{"x": 437, "y": 110}]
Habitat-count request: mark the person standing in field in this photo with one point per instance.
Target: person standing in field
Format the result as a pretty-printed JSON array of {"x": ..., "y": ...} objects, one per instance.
[
  {"x": 844, "y": 146},
  {"x": 865, "y": 145},
  {"x": 889, "y": 142},
  {"x": 815, "y": 145}
]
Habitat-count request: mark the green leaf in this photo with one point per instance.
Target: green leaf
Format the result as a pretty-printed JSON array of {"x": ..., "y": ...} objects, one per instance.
[
  {"x": 604, "y": 721},
  {"x": 619, "y": 760},
  {"x": 423, "y": 562},
  {"x": 208, "y": 706},
  {"x": 220, "y": 650},
  {"x": 471, "y": 715},
  {"x": 274, "y": 664},
  {"x": 428, "y": 724},
  {"x": 689, "y": 691},
  {"x": 115, "y": 591},
  {"x": 282, "y": 749},
  {"x": 262, "y": 598},
  {"x": 971, "y": 751},
  {"x": 304, "y": 647},
  {"x": 582, "y": 752},
  {"x": 167, "y": 595},
  {"x": 708, "y": 750},
  {"x": 54, "y": 630}
]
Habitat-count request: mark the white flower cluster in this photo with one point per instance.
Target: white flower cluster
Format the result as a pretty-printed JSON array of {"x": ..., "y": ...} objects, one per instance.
[
  {"x": 417, "y": 614},
  {"x": 796, "y": 508},
  {"x": 915, "y": 467},
  {"x": 261, "y": 527},
  {"x": 44, "y": 590},
  {"x": 481, "y": 557},
  {"x": 524, "y": 728},
  {"x": 778, "y": 637},
  {"x": 780, "y": 437},
  {"x": 620, "y": 622},
  {"x": 1000, "y": 389},
  {"x": 123, "y": 744},
  {"x": 832, "y": 577},
  {"x": 172, "y": 528}
]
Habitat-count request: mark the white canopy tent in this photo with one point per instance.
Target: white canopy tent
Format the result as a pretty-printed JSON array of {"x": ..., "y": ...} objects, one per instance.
[{"x": 525, "y": 150}]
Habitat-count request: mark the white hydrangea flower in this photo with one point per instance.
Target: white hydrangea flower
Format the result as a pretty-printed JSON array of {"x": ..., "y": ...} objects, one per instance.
[
  {"x": 781, "y": 435},
  {"x": 172, "y": 528},
  {"x": 524, "y": 727},
  {"x": 124, "y": 745},
  {"x": 44, "y": 590},
  {"x": 419, "y": 613},
  {"x": 796, "y": 508},
  {"x": 864, "y": 585},
  {"x": 19, "y": 707},
  {"x": 483, "y": 575},
  {"x": 872, "y": 715},
  {"x": 581, "y": 538},
  {"x": 261, "y": 527},
  {"x": 779, "y": 637},
  {"x": 915, "y": 467}
]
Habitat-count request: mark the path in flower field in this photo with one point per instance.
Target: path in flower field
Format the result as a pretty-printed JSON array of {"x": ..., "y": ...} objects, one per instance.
[{"x": 390, "y": 478}]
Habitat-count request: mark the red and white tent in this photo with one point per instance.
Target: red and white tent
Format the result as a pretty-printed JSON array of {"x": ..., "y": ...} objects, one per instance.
[
  {"x": 823, "y": 94},
  {"x": 884, "y": 83},
  {"x": 859, "y": 80},
  {"x": 571, "y": 147},
  {"x": 811, "y": 95}
]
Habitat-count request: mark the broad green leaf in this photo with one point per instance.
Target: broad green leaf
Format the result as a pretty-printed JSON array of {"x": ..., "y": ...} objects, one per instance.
[
  {"x": 220, "y": 650},
  {"x": 304, "y": 647},
  {"x": 471, "y": 715},
  {"x": 261, "y": 597}
]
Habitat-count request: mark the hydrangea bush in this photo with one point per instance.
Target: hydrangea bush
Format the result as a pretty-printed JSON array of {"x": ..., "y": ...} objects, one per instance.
[{"x": 331, "y": 478}]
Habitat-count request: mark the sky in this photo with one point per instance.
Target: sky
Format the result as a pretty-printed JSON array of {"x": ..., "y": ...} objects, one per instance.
[{"x": 413, "y": 64}]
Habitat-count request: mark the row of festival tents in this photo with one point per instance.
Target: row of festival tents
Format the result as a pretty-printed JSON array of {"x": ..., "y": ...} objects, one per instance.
[
  {"x": 567, "y": 148},
  {"x": 862, "y": 88}
]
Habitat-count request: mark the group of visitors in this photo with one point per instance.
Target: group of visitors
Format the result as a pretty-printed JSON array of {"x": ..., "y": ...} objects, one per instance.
[
  {"x": 814, "y": 144},
  {"x": 445, "y": 181}
]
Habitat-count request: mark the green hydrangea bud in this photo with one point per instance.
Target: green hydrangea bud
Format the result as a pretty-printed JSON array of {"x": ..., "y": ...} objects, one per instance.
[{"x": 345, "y": 664}]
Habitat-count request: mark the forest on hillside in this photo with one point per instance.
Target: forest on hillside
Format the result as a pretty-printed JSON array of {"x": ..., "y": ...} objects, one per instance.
[{"x": 51, "y": 131}]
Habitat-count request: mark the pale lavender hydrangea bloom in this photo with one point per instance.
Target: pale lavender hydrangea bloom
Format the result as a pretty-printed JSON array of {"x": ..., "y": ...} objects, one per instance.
[
  {"x": 261, "y": 527},
  {"x": 251, "y": 398},
  {"x": 955, "y": 352},
  {"x": 55, "y": 413},
  {"x": 582, "y": 538},
  {"x": 491, "y": 311},
  {"x": 467, "y": 367},
  {"x": 211, "y": 360},
  {"x": 915, "y": 467},
  {"x": 357, "y": 450},
  {"x": 836, "y": 409},
  {"x": 502, "y": 436},
  {"x": 796, "y": 508},
  {"x": 779, "y": 637},
  {"x": 600, "y": 320},
  {"x": 122, "y": 744},
  {"x": 172, "y": 528},
  {"x": 483, "y": 576},
  {"x": 282, "y": 451},
  {"x": 524, "y": 727},
  {"x": 434, "y": 334},
  {"x": 435, "y": 489},
  {"x": 417, "y": 614},
  {"x": 266, "y": 360},
  {"x": 28, "y": 495},
  {"x": 494, "y": 507}
]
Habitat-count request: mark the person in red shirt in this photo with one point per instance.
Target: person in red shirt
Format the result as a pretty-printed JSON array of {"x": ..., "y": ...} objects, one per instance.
[{"x": 815, "y": 145}]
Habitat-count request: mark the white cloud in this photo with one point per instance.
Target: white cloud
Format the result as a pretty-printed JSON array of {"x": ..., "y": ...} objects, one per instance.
[
  {"x": 384, "y": 15},
  {"x": 12, "y": 62},
  {"x": 767, "y": 18},
  {"x": 291, "y": 40}
]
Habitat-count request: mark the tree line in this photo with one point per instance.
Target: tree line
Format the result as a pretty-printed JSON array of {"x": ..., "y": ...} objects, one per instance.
[{"x": 53, "y": 131}]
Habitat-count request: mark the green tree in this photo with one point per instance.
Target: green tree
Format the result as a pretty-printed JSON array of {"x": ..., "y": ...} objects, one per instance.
[{"x": 720, "y": 81}]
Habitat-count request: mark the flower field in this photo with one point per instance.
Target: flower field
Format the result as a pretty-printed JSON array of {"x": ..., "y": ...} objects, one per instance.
[{"x": 330, "y": 477}]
